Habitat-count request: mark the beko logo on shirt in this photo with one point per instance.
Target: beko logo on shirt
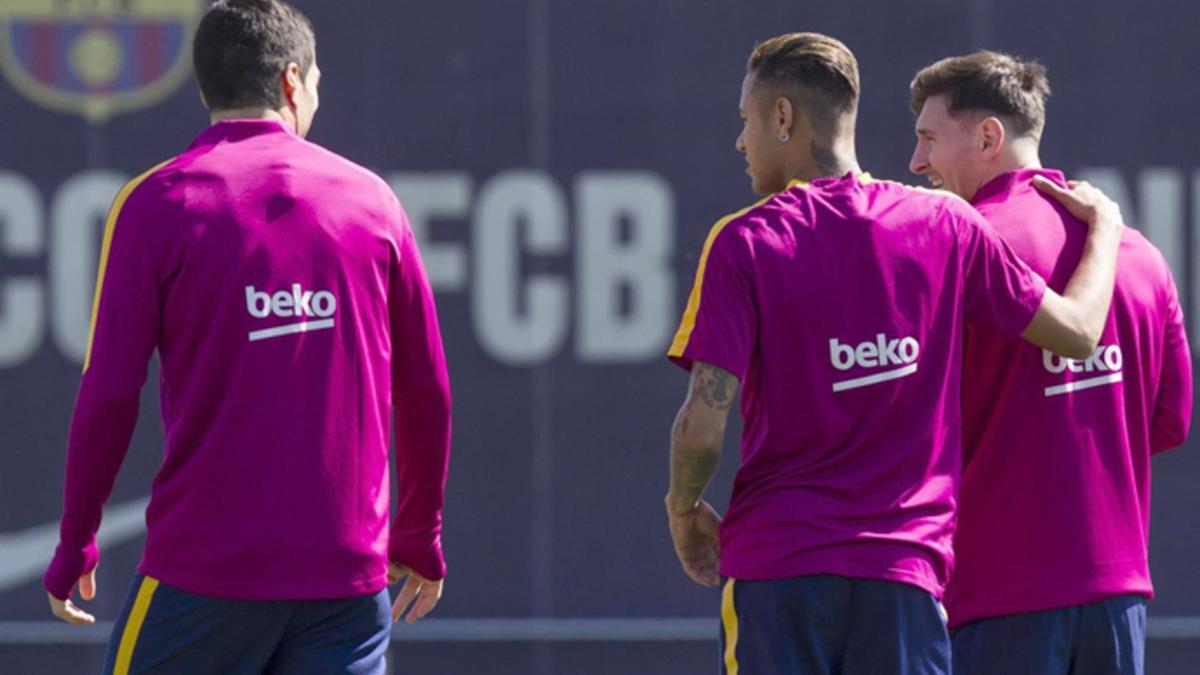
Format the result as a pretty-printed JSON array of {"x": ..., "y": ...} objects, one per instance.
[
  {"x": 296, "y": 302},
  {"x": 882, "y": 352},
  {"x": 1106, "y": 359}
]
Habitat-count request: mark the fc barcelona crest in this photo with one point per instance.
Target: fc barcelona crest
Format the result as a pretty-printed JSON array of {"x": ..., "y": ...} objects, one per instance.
[{"x": 97, "y": 58}]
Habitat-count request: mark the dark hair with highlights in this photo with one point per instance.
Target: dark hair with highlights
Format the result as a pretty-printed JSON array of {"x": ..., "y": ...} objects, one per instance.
[
  {"x": 990, "y": 82},
  {"x": 242, "y": 48},
  {"x": 814, "y": 71}
]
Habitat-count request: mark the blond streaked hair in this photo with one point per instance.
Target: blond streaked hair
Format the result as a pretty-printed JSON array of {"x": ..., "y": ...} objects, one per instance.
[{"x": 815, "y": 72}]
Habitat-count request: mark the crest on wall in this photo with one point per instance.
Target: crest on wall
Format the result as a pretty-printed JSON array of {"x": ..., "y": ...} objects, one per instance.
[{"x": 97, "y": 58}]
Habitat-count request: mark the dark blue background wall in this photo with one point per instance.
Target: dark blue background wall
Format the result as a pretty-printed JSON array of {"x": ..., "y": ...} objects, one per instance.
[{"x": 583, "y": 149}]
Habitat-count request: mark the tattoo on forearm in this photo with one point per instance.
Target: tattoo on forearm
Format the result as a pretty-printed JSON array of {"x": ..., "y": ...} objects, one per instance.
[
  {"x": 694, "y": 461},
  {"x": 681, "y": 423},
  {"x": 691, "y": 470},
  {"x": 716, "y": 387}
]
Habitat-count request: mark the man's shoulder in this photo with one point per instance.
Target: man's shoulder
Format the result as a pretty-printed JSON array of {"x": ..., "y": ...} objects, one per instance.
[
  {"x": 747, "y": 216},
  {"x": 795, "y": 207},
  {"x": 907, "y": 206},
  {"x": 147, "y": 189},
  {"x": 765, "y": 213},
  {"x": 935, "y": 203},
  {"x": 1141, "y": 261},
  {"x": 908, "y": 191},
  {"x": 328, "y": 161},
  {"x": 740, "y": 224},
  {"x": 1136, "y": 242}
]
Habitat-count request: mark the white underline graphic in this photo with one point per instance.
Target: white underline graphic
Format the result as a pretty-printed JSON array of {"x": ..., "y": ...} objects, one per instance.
[
  {"x": 302, "y": 327},
  {"x": 875, "y": 379},
  {"x": 1083, "y": 384}
]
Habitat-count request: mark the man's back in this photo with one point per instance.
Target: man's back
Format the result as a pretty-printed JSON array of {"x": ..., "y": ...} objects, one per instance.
[
  {"x": 282, "y": 287},
  {"x": 1056, "y": 490},
  {"x": 272, "y": 234},
  {"x": 840, "y": 306},
  {"x": 266, "y": 269}
]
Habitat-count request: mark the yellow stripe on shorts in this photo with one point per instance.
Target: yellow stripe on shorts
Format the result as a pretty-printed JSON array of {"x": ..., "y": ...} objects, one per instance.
[
  {"x": 133, "y": 626},
  {"x": 730, "y": 622}
]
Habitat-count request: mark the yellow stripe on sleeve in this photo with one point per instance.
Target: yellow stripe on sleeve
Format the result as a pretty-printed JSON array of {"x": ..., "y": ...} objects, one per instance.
[
  {"x": 688, "y": 323},
  {"x": 729, "y": 621},
  {"x": 105, "y": 247},
  {"x": 133, "y": 626}
]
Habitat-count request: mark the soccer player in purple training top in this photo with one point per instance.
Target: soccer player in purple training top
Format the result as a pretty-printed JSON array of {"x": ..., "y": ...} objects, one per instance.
[
  {"x": 282, "y": 288},
  {"x": 1051, "y": 571},
  {"x": 838, "y": 303}
]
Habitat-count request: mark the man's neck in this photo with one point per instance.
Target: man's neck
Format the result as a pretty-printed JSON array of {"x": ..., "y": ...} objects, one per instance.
[
  {"x": 248, "y": 114},
  {"x": 1020, "y": 156},
  {"x": 836, "y": 160}
]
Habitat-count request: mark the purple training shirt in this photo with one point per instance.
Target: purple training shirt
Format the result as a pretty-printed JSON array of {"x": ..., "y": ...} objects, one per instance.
[
  {"x": 841, "y": 305},
  {"x": 1055, "y": 502},
  {"x": 283, "y": 290}
]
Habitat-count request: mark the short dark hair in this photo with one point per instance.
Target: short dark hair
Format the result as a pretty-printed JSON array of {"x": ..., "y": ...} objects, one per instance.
[
  {"x": 1013, "y": 89},
  {"x": 814, "y": 71},
  {"x": 242, "y": 48}
]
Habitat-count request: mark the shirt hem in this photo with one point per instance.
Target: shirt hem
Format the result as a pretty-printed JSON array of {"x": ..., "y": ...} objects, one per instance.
[
  {"x": 867, "y": 573},
  {"x": 999, "y": 611}
]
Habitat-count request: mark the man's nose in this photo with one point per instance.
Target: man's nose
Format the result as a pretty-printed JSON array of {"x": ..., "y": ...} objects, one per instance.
[{"x": 919, "y": 162}]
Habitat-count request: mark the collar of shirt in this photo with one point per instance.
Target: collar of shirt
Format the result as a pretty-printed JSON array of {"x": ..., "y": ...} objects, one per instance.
[
  {"x": 239, "y": 130},
  {"x": 861, "y": 177},
  {"x": 1007, "y": 182}
]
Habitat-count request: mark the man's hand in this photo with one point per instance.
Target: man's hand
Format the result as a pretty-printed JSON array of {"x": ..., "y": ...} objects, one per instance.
[
  {"x": 1083, "y": 201},
  {"x": 1072, "y": 324},
  {"x": 694, "y": 533},
  {"x": 67, "y": 611},
  {"x": 421, "y": 592}
]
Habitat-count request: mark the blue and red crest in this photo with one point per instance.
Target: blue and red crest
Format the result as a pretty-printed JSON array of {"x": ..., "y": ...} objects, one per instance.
[{"x": 97, "y": 57}]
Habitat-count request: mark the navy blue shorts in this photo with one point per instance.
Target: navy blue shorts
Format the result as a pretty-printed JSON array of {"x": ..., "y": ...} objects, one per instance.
[
  {"x": 1103, "y": 638},
  {"x": 832, "y": 625},
  {"x": 165, "y": 630}
]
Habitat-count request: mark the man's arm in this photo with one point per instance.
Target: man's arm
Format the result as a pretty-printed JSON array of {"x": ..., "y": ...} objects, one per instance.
[
  {"x": 1071, "y": 324},
  {"x": 696, "y": 441},
  {"x": 716, "y": 337},
  {"x": 1173, "y": 404},
  {"x": 697, "y": 435},
  {"x": 122, "y": 337},
  {"x": 421, "y": 400}
]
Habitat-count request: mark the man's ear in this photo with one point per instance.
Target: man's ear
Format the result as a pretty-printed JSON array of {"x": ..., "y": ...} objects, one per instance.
[
  {"x": 293, "y": 82},
  {"x": 991, "y": 136},
  {"x": 783, "y": 114}
]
